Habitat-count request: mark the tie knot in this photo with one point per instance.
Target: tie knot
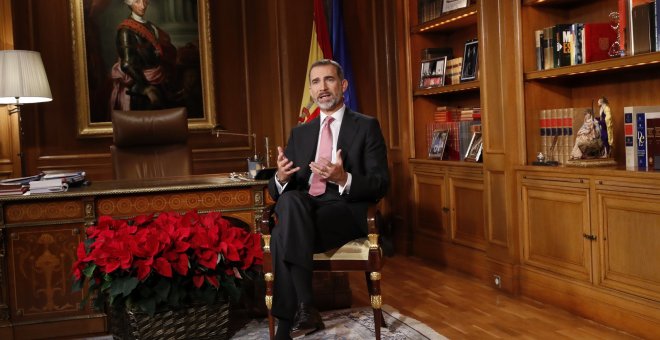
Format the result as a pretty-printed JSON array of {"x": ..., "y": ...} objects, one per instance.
[{"x": 329, "y": 121}]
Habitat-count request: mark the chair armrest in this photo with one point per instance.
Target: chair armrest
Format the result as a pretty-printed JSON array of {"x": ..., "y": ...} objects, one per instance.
[{"x": 265, "y": 222}]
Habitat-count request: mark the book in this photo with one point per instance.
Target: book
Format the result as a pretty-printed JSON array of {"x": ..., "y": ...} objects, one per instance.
[
  {"x": 48, "y": 186},
  {"x": 538, "y": 37},
  {"x": 629, "y": 137},
  {"x": 547, "y": 44},
  {"x": 634, "y": 118},
  {"x": 657, "y": 27},
  {"x": 577, "y": 31},
  {"x": 643, "y": 31},
  {"x": 652, "y": 138},
  {"x": 21, "y": 180},
  {"x": 598, "y": 38},
  {"x": 12, "y": 189},
  {"x": 563, "y": 45}
]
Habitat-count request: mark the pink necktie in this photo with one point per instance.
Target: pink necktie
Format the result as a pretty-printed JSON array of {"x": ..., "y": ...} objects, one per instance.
[{"x": 325, "y": 151}]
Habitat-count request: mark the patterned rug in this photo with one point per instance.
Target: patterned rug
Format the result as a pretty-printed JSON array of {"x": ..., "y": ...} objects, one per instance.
[{"x": 355, "y": 323}]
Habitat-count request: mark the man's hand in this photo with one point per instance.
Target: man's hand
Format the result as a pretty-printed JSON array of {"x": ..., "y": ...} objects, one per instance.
[
  {"x": 331, "y": 172},
  {"x": 284, "y": 167}
]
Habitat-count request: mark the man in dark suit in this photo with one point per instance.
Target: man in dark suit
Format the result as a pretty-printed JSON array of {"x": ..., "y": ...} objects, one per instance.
[{"x": 333, "y": 167}]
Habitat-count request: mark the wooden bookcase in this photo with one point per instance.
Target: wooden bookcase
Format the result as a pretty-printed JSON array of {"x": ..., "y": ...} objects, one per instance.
[
  {"x": 625, "y": 81},
  {"x": 588, "y": 236},
  {"x": 448, "y": 215},
  {"x": 451, "y": 30}
]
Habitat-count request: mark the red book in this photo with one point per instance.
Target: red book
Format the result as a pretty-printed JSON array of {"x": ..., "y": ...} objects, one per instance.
[{"x": 598, "y": 38}]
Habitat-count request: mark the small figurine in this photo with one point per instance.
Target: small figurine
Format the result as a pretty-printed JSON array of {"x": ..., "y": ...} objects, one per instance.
[
  {"x": 588, "y": 142},
  {"x": 606, "y": 129},
  {"x": 540, "y": 157}
]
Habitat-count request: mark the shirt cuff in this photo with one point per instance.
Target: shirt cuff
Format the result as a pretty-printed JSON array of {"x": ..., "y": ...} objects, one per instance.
[
  {"x": 280, "y": 187},
  {"x": 346, "y": 188}
]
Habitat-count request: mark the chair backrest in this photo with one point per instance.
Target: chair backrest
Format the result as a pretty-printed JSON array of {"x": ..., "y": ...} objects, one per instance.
[{"x": 150, "y": 144}]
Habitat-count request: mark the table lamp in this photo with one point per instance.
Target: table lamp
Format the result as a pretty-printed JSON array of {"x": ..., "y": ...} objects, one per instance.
[
  {"x": 254, "y": 162},
  {"x": 22, "y": 81}
]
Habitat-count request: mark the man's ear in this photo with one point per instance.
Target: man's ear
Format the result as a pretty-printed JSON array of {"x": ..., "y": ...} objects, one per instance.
[{"x": 344, "y": 85}]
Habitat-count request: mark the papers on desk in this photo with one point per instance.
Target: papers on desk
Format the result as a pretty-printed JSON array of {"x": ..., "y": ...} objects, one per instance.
[
  {"x": 71, "y": 177},
  {"x": 67, "y": 176},
  {"x": 21, "y": 180},
  {"x": 11, "y": 190},
  {"x": 48, "y": 186}
]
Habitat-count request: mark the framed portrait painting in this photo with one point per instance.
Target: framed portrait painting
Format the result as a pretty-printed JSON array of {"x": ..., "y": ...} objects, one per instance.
[
  {"x": 470, "y": 61},
  {"x": 438, "y": 144},
  {"x": 148, "y": 55}
]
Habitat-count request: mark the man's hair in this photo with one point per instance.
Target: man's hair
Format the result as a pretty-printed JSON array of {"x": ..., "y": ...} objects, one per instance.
[
  {"x": 129, "y": 2},
  {"x": 323, "y": 62}
]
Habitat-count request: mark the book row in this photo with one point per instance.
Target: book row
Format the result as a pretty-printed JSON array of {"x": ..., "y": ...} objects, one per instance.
[
  {"x": 557, "y": 128},
  {"x": 642, "y": 137},
  {"x": 633, "y": 29}
]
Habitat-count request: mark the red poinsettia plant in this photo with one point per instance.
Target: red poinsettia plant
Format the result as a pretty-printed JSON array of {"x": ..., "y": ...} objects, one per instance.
[{"x": 165, "y": 261}]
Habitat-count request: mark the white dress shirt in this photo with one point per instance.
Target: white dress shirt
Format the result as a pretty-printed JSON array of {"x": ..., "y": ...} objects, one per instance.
[{"x": 334, "y": 127}]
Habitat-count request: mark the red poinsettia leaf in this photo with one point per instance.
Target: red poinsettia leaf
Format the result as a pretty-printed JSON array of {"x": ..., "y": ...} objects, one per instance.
[
  {"x": 163, "y": 267},
  {"x": 143, "y": 268},
  {"x": 181, "y": 265},
  {"x": 213, "y": 280},
  {"x": 143, "y": 219},
  {"x": 198, "y": 280},
  {"x": 208, "y": 259}
]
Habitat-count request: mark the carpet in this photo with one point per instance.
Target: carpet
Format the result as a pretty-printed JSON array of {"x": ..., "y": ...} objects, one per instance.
[{"x": 355, "y": 323}]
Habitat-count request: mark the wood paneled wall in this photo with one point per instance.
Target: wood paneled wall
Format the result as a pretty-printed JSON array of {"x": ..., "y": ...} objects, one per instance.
[{"x": 260, "y": 51}]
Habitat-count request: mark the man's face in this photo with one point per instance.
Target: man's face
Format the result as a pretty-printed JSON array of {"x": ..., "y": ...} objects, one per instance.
[
  {"x": 326, "y": 88},
  {"x": 139, "y": 7}
]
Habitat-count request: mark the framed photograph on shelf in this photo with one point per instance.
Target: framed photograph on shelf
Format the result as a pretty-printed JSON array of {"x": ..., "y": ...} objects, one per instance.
[
  {"x": 432, "y": 73},
  {"x": 470, "y": 61},
  {"x": 452, "y": 5},
  {"x": 475, "y": 148},
  {"x": 438, "y": 144}
]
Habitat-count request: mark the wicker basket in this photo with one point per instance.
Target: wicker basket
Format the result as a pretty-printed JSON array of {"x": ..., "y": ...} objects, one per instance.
[{"x": 193, "y": 322}]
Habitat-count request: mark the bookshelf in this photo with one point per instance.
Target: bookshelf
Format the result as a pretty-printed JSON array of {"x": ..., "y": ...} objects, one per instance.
[
  {"x": 448, "y": 209},
  {"x": 587, "y": 233},
  {"x": 450, "y": 30},
  {"x": 625, "y": 81}
]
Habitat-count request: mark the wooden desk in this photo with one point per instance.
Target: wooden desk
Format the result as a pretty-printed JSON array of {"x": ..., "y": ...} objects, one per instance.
[{"x": 39, "y": 235}]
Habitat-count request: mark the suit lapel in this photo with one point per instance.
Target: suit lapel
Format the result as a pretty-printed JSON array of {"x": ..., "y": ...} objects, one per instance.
[
  {"x": 347, "y": 133},
  {"x": 310, "y": 137}
]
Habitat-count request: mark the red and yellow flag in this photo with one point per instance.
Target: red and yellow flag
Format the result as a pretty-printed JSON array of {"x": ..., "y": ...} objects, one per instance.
[{"x": 319, "y": 49}]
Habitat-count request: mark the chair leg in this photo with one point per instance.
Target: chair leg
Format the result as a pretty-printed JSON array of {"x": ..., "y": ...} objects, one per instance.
[
  {"x": 268, "y": 277},
  {"x": 373, "y": 284}
]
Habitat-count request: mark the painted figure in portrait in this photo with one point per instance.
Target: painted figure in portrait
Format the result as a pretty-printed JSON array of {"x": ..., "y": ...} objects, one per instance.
[{"x": 140, "y": 56}]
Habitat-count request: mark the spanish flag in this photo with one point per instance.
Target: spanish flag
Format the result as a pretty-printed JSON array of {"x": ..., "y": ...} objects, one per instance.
[{"x": 319, "y": 49}]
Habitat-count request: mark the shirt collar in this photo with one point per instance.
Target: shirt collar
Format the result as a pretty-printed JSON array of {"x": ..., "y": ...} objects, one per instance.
[
  {"x": 337, "y": 115},
  {"x": 138, "y": 18}
]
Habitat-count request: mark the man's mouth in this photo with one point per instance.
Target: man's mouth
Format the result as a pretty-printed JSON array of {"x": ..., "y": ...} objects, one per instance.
[{"x": 324, "y": 96}]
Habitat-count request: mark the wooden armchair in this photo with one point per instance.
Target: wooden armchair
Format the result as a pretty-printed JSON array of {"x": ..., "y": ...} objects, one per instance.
[{"x": 362, "y": 254}]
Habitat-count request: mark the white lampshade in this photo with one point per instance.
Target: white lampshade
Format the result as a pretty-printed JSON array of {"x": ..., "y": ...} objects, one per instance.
[{"x": 23, "y": 78}]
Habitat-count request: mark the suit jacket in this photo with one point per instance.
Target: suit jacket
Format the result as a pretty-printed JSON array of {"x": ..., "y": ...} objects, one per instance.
[{"x": 363, "y": 152}]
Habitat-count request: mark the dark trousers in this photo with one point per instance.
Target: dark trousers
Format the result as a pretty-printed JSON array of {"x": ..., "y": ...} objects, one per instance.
[{"x": 306, "y": 225}]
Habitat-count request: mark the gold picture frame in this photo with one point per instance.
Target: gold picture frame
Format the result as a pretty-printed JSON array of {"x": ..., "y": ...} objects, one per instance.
[{"x": 96, "y": 122}]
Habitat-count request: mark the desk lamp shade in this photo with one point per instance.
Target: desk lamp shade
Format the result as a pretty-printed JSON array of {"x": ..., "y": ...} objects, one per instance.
[{"x": 23, "y": 78}]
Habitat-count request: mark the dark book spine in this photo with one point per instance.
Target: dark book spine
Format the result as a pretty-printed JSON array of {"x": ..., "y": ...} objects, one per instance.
[
  {"x": 563, "y": 45},
  {"x": 652, "y": 140},
  {"x": 640, "y": 119}
]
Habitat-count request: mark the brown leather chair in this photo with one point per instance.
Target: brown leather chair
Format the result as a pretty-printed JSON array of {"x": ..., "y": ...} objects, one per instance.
[
  {"x": 150, "y": 144},
  {"x": 364, "y": 255}
]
